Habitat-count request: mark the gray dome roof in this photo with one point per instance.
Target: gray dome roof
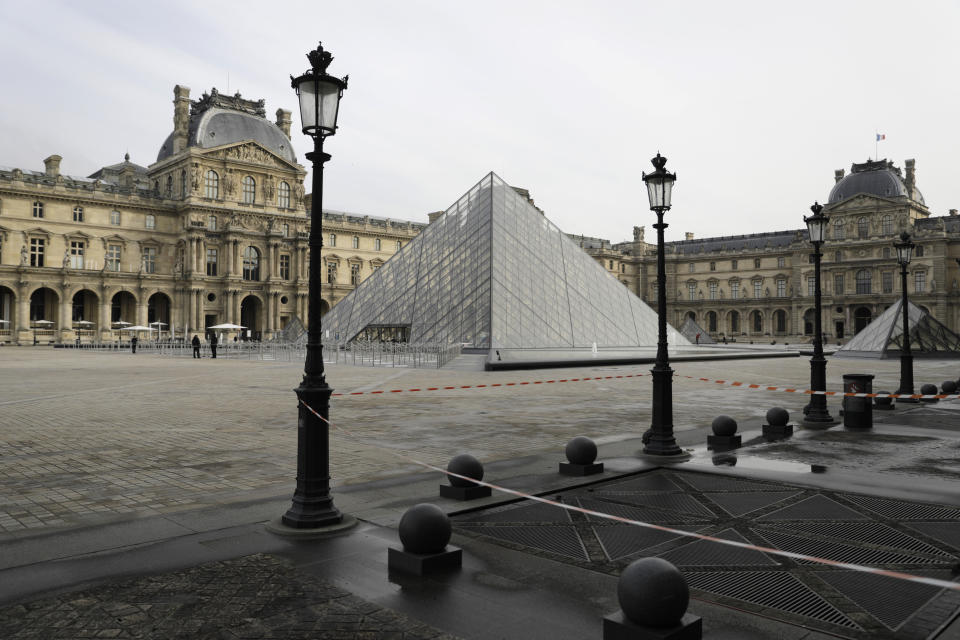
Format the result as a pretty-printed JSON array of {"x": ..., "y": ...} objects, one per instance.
[
  {"x": 874, "y": 178},
  {"x": 216, "y": 127}
]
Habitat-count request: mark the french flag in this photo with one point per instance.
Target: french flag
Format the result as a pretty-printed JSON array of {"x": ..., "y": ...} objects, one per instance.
[{"x": 881, "y": 136}]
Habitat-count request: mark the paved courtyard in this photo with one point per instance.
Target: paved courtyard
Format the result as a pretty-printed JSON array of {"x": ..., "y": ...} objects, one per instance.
[{"x": 89, "y": 437}]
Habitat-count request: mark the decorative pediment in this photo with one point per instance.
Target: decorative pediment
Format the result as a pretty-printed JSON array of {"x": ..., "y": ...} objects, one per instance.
[
  {"x": 861, "y": 201},
  {"x": 251, "y": 153}
]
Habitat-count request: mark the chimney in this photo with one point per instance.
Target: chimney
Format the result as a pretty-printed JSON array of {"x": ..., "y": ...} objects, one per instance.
[
  {"x": 433, "y": 216},
  {"x": 911, "y": 181},
  {"x": 688, "y": 236},
  {"x": 283, "y": 121},
  {"x": 52, "y": 165},
  {"x": 838, "y": 175},
  {"x": 181, "y": 118}
]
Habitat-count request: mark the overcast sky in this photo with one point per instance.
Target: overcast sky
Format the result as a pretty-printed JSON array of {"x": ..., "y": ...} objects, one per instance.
[{"x": 754, "y": 103}]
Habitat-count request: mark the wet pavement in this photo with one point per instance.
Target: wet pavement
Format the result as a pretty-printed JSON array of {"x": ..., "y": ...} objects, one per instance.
[{"x": 130, "y": 485}]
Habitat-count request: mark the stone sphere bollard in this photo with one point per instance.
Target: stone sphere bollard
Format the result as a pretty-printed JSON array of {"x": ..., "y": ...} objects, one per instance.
[
  {"x": 948, "y": 387},
  {"x": 581, "y": 450},
  {"x": 778, "y": 417},
  {"x": 465, "y": 465},
  {"x": 724, "y": 426},
  {"x": 885, "y": 404},
  {"x": 425, "y": 528},
  {"x": 929, "y": 390},
  {"x": 653, "y": 593}
]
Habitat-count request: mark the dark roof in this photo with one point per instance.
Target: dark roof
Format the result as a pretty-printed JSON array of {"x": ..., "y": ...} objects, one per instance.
[
  {"x": 878, "y": 178},
  {"x": 750, "y": 242},
  {"x": 116, "y": 169}
]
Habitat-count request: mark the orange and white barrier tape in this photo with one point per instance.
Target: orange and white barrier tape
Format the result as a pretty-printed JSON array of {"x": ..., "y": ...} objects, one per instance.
[
  {"x": 811, "y": 392},
  {"x": 933, "y": 582},
  {"x": 489, "y": 386}
]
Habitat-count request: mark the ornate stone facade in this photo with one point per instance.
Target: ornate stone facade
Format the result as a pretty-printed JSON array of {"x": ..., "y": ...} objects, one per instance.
[{"x": 208, "y": 234}]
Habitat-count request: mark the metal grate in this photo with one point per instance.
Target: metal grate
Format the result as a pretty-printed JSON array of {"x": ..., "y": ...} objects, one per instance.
[
  {"x": 888, "y": 600},
  {"x": 523, "y": 512},
  {"x": 946, "y": 532},
  {"x": 738, "y": 504},
  {"x": 869, "y": 533},
  {"x": 681, "y": 502},
  {"x": 839, "y": 552},
  {"x": 899, "y": 510},
  {"x": 561, "y": 540},
  {"x": 704, "y": 553},
  {"x": 644, "y": 514},
  {"x": 775, "y": 589},
  {"x": 623, "y": 540},
  {"x": 658, "y": 482},
  {"x": 816, "y": 507},
  {"x": 709, "y": 482}
]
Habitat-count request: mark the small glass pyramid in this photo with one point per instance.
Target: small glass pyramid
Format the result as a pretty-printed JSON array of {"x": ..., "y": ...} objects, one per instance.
[
  {"x": 493, "y": 273},
  {"x": 883, "y": 338}
]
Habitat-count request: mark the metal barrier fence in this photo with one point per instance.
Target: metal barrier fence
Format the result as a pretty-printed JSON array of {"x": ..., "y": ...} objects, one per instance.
[{"x": 365, "y": 354}]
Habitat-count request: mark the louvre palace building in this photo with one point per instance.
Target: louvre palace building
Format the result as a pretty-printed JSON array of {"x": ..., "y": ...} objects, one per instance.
[{"x": 214, "y": 231}]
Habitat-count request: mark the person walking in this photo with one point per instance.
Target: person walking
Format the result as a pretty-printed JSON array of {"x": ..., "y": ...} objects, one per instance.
[
  {"x": 698, "y": 338},
  {"x": 196, "y": 346},
  {"x": 133, "y": 344},
  {"x": 213, "y": 345}
]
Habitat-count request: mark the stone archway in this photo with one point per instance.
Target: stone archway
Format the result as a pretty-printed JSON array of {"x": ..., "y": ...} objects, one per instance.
[
  {"x": 123, "y": 308},
  {"x": 158, "y": 310},
  {"x": 251, "y": 316},
  {"x": 8, "y": 308},
  {"x": 84, "y": 316},
  {"x": 44, "y": 314},
  {"x": 861, "y": 318}
]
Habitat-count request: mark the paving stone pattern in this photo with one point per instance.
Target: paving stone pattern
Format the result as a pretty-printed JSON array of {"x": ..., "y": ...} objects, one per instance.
[
  {"x": 258, "y": 596},
  {"x": 909, "y": 537}
]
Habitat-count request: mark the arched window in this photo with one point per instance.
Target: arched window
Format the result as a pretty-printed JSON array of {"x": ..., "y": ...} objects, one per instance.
[
  {"x": 356, "y": 242},
  {"x": 863, "y": 228},
  {"x": 283, "y": 196},
  {"x": 863, "y": 281},
  {"x": 211, "y": 184},
  {"x": 886, "y": 225},
  {"x": 376, "y": 244},
  {"x": 838, "y": 233},
  {"x": 211, "y": 223},
  {"x": 251, "y": 264},
  {"x": 249, "y": 190}
]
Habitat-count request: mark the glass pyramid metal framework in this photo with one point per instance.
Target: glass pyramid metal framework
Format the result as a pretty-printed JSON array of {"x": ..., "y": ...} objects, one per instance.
[
  {"x": 493, "y": 272},
  {"x": 883, "y": 338}
]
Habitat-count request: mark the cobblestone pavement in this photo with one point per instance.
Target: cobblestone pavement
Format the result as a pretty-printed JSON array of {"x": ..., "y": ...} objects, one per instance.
[
  {"x": 257, "y": 596},
  {"x": 90, "y": 437}
]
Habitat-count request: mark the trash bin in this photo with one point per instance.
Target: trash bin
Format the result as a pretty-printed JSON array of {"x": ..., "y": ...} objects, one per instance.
[{"x": 857, "y": 412}]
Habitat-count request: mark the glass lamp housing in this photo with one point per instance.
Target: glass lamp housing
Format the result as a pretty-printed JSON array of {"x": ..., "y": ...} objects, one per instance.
[
  {"x": 319, "y": 96},
  {"x": 904, "y": 249},
  {"x": 659, "y": 184},
  {"x": 817, "y": 224}
]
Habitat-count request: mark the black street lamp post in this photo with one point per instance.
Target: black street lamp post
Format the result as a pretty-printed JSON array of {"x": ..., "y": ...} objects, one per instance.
[
  {"x": 816, "y": 411},
  {"x": 659, "y": 440},
  {"x": 904, "y": 253},
  {"x": 319, "y": 94}
]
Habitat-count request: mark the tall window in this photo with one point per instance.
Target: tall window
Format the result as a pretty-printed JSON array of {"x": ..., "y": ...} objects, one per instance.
[
  {"x": 112, "y": 258},
  {"x": 734, "y": 322},
  {"x": 284, "y": 267},
  {"x": 757, "y": 288},
  {"x": 115, "y": 218},
  {"x": 919, "y": 281},
  {"x": 376, "y": 244},
  {"x": 918, "y": 252},
  {"x": 691, "y": 268},
  {"x": 211, "y": 223},
  {"x": 733, "y": 265},
  {"x": 78, "y": 214},
  {"x": 781, "y": 262},
  {"x": 864, "y": 281},
  {"x": 712, "y": 321},
  {"x": 283, "y": 196},
  {"x": 756, "y": 263},
  {"x": 249, "y": 190},
  {"x": 713, "y": 266},
  {"x": 735, "y": 289},
  {"x": 886, "y": 281},
  {"x": 354, "y": 274},
  {"x": 757, "y": 322},
  {"x": 151, "y": 221},
  {"x": 333, "y": 240},
  {"x": 713, "y": 290},
  {"x": 169, "y": 191},
  {"x": 37, "y": 246},
  {"x": 286, "y": 231},
  {"x": 149, "y": 259},
  {"x": 886, "y": 252},
  {"x": 398, "y": 245},
  {"x": 691, "y": 290},
  {"x": 811, "y": 285},
  {"x": 838, "y": 284},
  {"x": 212, "y": 260},
  {"x": 38, "y": 209},
  {"x": 781, "y": 288},
  {"x": 838, "y": 232},
  {"x": 76, "y": 254},
  {"x": 211, "y": 185},
  {"x": 886, "y": 225},
  {"x": 356, "y": 242},
  {"x": 331, "y": 272},
  {"x": 838, "y": 256},
  {"x": 780, "y": 321},
  {"x": 251, "y": 264},
  {"x": 863, "y": 228}
]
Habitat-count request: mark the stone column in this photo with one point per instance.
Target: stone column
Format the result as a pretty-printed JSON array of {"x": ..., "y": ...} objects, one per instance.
[
  {"x": 202, "y": 256},
  {"x": 192, "y": 310},
  {"x": 190, "y": 259},
  {"x": 64, "y": 323},
  {"x": 237, "y": 257},
  {"x": 200, "y": 319},
  {"x": 276, "y": 306},
  {"x": 228, "y": 257}
]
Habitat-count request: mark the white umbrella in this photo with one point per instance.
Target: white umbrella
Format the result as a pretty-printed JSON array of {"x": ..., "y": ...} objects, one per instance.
[
  {"x": 137, "y": 328},
  {"x": 158, "y": 323},
  {"x": 121, "y": 323},
  {"x": 43, "y": 322},
  {"x": 83, "y": 323},
  {"x": 227, "y": 325},
  {"x": 4, "y": 322}
]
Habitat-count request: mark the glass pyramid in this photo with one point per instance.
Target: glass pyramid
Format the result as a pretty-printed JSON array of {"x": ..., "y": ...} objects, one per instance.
[
  {"x": 883, "y": 338},
  {"x": 493, "y": 272}
]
